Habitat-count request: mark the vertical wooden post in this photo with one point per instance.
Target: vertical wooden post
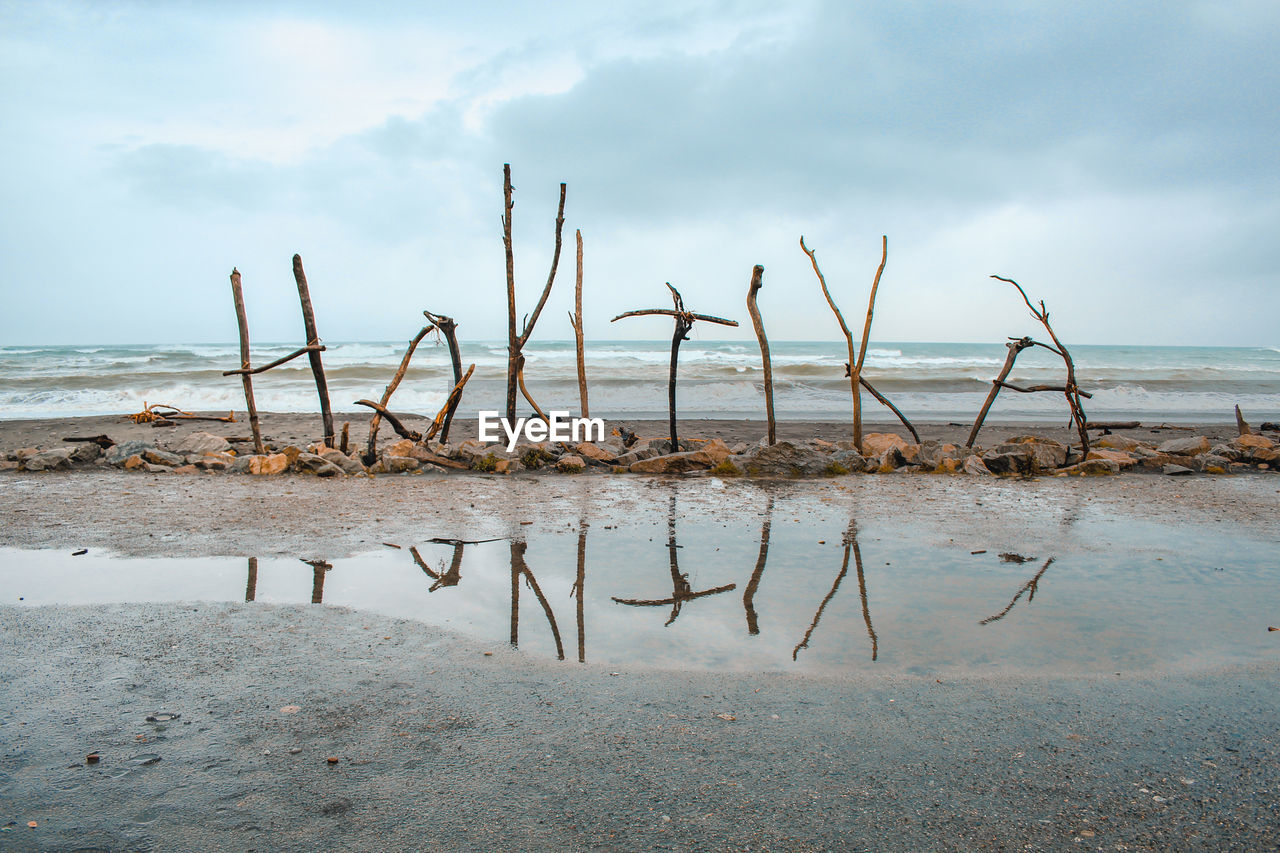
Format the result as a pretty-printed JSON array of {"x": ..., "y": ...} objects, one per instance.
[
  {"x": 243, "y": 322},
  {"x": 576, "y": 320},
  {"x": 513, "y": 348},
  {"x": 757, "y": 282},
  {"x": 313, "y": 340},
  {"x": 682, "y": 328}
]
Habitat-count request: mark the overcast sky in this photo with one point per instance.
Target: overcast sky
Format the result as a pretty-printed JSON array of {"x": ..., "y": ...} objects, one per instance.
[{"x": 1119, "y": 159}]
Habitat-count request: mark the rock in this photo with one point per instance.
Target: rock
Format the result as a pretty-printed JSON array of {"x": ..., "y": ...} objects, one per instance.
[
  {"x": 153, "y": 468},
  {"x": 316, "y": 464},
  {"x": 1226, "y": 451},
  {"x": 1119, "y": 442},
  {"x": 22, "y": 453},
  {"x": 629, "y": 458},
  {"x": 1186, "y": 446},
  {"x": 571, "y": 465},
  {"x": 201, "y": 443},
  {"x": 1124, "y": 460},
  {"x": 785, "y": 459},
  {"x": 588, "y": 450},
  {"x": 215, "y": 461},
  {"x": 889, "y": 461},
  {"x": 1177, "y": 470},
  {"x": 400, "y": 464},
  {"x": 135, "y": 463},
  {"x": 472, "y": 450},
  {"x": 876, "y": 443},
  {"x": 118, "y": 453},
  {"x": 850, "y": 460},
  {"x": 274, "y": 463},
  {"x": 1265, "y": 456},
  {"x": 186, "y": 469},
  {"x": 84, "y": 452},
  {"x": 671, "y": 463},
  {"x": 403, "y": 447},
  {"x": 343, "y": 461},
  {"x": 502, "y": 466},
  {"x": 975, "y": 465},
  {"x": 1249, "y": 442},
  {"x": 48, "y": 460},
  {"x": 1212, "y": 464},
  {"x": 1093, "y": 468},
  {"x": 1046, "y": 454},
  {"x": 240, "y": 465},
  {"x": 9, "y": 465},
  {"x": 292, "y": 452},
  {"x": 932, "y": 453},
  {"x": 162, "y": 457},
  {"x": 1019, "y": 460}
]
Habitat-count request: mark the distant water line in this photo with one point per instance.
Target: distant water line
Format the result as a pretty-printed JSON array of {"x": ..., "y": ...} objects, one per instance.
[{"x": 718, "y": 379}]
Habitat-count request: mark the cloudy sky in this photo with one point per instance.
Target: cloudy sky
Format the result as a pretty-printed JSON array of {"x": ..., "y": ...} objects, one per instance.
[{"x": 1119, "y": 159}]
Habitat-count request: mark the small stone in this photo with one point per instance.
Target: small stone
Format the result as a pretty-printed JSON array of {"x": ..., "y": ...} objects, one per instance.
[
  {"x": 1176, "y": 470},
  {"x": 571, "y": 465},
  {"x": 332, "y": 759},
  {"x": 92, "y": 758}
]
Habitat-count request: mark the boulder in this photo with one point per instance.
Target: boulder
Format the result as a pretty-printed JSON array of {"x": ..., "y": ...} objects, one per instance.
[
  {"x": 400, "y": 464},
  {"x": 785, "y": 459},
  {"x": 201, "y": 443},
  {"x": 1046, "y": 454},
  {"x": 588, "y": 450},
  {"x": 1124, "y": 460},
  {"x": 571, "y": 465},
  {"x": 1119, "y": 442},
  {"x": 315, "y": 464},
  {"x": 850, "y": 460},
  {"x": 48, "y": 460},
  {"x": 292, "y": 452},
  {"x": 403, "y": 447},
  {"x": 22, "y": 453},
  {"x": 629, "y": 458},
  {"x": 876, "y": 443},
  {"x": 1211, "y": 464},
  {"x": 274, "y": 463},
  {"x": 1017, "y": 460},
  {"x": 85, "y": 451},
  {"x": 932, "y": 453},
  {"x": 1226, "y": 451},
  {"x": 1093, "y": 468},
  {"x": 671, "y": 463},
  {"x": 1177, "y": 470},
  {"x": 1249, "y": 442},
  {"x": 186, "y": 469},
  {"x": 975, "y": 465},
  {"x": 1193, "y": 446},
  {"x": 162, "y": 457},
  {"x": 473, "y": 450},
  {"x": 215, "y": 462},
  {"x": 343, "y": 461},
  {"x": 118, "y": 453},
  {"x": 889, "y": 461},
  {"x": 135, "y": 463},
  {"x": 502, "y": 466}
]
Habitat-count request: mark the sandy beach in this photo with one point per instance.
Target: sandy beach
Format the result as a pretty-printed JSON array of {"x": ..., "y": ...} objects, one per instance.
[{"x": 445, "y": 741}]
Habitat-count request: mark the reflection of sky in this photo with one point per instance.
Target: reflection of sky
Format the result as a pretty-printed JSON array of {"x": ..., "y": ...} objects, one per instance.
[{"x": 1118, "y": 596}]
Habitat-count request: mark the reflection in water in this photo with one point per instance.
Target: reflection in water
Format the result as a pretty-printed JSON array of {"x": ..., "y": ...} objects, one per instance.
[
  {"x": 318, "y": 568},
  {"x": 850, "y": 544},
  {"x": 519, "y": 569},
  {"x": 576, "y": 591},
  {"x": 1028, "y": 587},
  {"x": 251, "y": 586},
  {"x": 749, "y": 594},
  {"x": 442, "y": 577},
  {"x": 681, "y": 589}
]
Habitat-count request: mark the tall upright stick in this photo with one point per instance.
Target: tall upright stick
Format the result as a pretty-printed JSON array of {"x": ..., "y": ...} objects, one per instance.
[
  {"x": 848, "y": 336},
  {"x": 242, "y": 321},
  {"x": 575, "y": 320},
  {"x": 516, "y": 342},
  {"x": 313, "y": 340},
  {"x": 1015, "y": 346},
  {"x": 450, "y": 330},
  {"x": 757, "y": 282},
  {"x": 856, "y": 370}
]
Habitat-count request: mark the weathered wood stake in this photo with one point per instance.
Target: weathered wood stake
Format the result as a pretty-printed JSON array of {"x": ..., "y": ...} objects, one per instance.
[
  {"x": 450, "y": 330},
  {"x": 370, "y": 452},
  {"x": 242, "y": 321},
  {"x": 757, "y": 282},
  {"x": 575, "y": 320},
  {"x": 313, "y": 340}
]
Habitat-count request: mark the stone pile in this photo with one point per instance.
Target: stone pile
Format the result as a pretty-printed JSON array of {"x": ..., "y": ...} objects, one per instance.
[{"x": 883, "y": 453}]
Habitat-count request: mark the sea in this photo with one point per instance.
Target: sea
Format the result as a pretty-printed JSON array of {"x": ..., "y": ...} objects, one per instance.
[{"x": 628, "y": 379}]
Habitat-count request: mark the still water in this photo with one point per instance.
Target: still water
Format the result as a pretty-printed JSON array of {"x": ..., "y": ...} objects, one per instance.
[{"x": 783, "y": 588}]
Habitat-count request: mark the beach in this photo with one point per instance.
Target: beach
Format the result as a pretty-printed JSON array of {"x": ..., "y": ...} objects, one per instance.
[{"x": 447, "y": 740}]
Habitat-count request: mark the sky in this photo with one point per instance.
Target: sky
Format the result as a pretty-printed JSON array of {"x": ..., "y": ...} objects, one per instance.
[{"x": 1116, "y": 158}]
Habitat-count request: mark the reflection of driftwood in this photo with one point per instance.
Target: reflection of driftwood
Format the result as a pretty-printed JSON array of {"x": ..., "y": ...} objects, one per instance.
[
  {"x": 684, "y": 322},
  {"x": 850, "y": 545},
  {"x": 451, "y": 577},
  {"x": 251, "y": 584},
  {"x": 757, "y": 282},
  {"x": 853, "y": 369},
  {"x": 575, "y": 320},
  {"x": 519, "y": 569},
  {"x": 313, "y": 340},
  {"x": 579, "y": 584},
  {"x": 242, "y": 321},
  {"x": 516, "y": 341},
  {"x": 370, "y": 455},
  {"x": 450, "y": 330},
  {"x": 1029, "y": 587},
  {"x": 749, "y": 594},
  {"x": 318, "y": 569},
  {"x": 681, "y": 589}
]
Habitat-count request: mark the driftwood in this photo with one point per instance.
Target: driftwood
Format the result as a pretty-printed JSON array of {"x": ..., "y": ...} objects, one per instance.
[
  {"x": 1108, "y": 426},
  {"x": 400, "y": 428},
  {"x": 344, "y": 443},
  {"x": 441, "y": 422},
  {"x": 575, "y": 320},
  {"x": 313, "y": 340},
  {"x": 524, "y": 391},
  {"x": 1029, "y": 587},
  {"x": 757, "y": 282},
  {"x": 415, "y": 436},
  {"x": 516, "y": 341},
  {"x": 449, "y": 329},
  {"x": 749, "y": 594},
  {"x": 151, "y": 414},
  {"x": 850, "y": 544},
  {"x": 279, "y": 361},
  {"x": 370, "y": 453},
  {"x": 1241, "y": 426},
  {"x": 102, "y": 441},
  {"x": 519, "y": 569},
  {"x": 242, "y": 322},
  {"x": 853, "y": 368},
  {"x": 684, "y": 322}
]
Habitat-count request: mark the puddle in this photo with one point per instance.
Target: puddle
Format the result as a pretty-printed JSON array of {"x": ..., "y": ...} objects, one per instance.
[{"x": 789, "y": 587}]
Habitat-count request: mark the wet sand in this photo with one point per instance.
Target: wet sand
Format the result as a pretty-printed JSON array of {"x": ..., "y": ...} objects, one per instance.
[{"x": 440, "y": 746}]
